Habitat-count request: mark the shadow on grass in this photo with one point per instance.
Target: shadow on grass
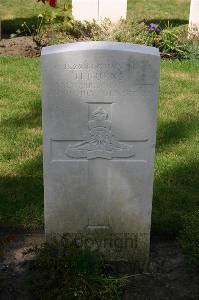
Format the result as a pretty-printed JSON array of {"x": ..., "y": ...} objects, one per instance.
[
  {"x": 27, "y": 120},
  {"x": 12, "y": 25},
  {"x": 175, "y": 194},
  {"x": 175, "y": 190},
  {"x": 172, "y": 132},
  {"x": 163, "y": 23},
  {"x": 22, "y": 196},
  {"x": 31, "y": 118}
]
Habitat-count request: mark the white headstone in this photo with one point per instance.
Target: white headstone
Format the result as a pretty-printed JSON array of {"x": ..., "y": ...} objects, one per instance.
[
  {"x": 99, "y": 132},
  {"x": 194, "y": 17},
  {"x": 112, "y": 9},
  {"x": 87, "y": 10}
]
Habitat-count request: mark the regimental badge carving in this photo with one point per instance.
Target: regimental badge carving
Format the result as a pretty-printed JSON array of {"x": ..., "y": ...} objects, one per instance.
[{"x": 100, "y": 142}]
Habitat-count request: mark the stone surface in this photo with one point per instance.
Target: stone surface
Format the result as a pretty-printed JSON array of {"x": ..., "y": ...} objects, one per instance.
[
  {"x": 87, "y": 10},
  {"x": 112, "y": 9},
  {"x": 99, "y": 132},
  {"x": 194, "y": 16}
]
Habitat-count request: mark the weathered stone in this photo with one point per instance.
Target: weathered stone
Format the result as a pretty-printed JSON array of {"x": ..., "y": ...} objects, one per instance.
[{"x": 99, "y": 132}]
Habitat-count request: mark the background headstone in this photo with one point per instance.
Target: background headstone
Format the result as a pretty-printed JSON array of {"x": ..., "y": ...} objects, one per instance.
[
  {"x": 99, "y": 132},
  {"x": 194, "y": 17},
  {"x": 87, "y": 10},
  {"x": 112, "y": 9}
]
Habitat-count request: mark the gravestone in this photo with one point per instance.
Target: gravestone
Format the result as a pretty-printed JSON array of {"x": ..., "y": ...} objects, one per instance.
[
  {"x": 87, "y": 10},
  {"x": 194, "y": 17},
  {"x": 112, "y": 9},
  {"x": 99, "y": 131}
]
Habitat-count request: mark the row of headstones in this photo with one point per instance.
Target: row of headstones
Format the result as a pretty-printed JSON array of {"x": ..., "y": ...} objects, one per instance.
[
  {"x": 117, "y": 9},
  {"x": 99, "y": 9}
]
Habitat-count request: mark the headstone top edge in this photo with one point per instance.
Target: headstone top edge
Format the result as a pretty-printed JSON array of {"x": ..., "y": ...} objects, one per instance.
[{"x": 98, "y": 45}]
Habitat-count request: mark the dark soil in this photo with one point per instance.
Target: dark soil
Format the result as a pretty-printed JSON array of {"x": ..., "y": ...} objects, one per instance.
[
  {"x": 169, "y": 277},
  {"x": 21, "y": 46},
  {"x": 25, "y": 46}
]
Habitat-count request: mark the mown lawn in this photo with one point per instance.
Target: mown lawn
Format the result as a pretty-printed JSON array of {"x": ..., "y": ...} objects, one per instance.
[
  {"x": 172, "y": 9},
  {"x": 177, "y": 11},
  {"x": 14, "y": 12},
  {"x": 176, "y": 188},
  {"x": 176, "y": 170},
  {"x": 21, "y": 190}
]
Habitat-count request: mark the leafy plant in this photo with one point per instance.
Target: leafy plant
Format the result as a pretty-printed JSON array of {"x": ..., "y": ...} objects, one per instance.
[
  {"x": 63, "y": 270},
  {"x": 58, "y": 26},
  {"x": 169, "y": 45},
  {"x": 33, "y": 29},
  {"x": 47, "y": 22}
]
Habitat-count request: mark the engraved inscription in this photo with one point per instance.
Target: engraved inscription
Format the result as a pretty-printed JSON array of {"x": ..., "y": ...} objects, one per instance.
[
  {"x": 100, "y": 143},
  {"x": 87, "y": 78}
]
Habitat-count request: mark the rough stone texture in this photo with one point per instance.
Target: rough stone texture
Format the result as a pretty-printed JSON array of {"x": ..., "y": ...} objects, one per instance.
[
  {"x": 87, "y": 10},
  {"x": 194, "y": 16},
  {"x": 99, "y": 132}
]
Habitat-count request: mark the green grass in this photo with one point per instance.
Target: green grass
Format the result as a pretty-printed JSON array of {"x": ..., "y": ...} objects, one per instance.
[
  {"x": 172, "y": 9},
  {"x": 177, "y": 162},
  {"x": 176, "y": 168},
  {"x": 15, "y": 12},
  {"x": 21, "y": 190},
  {"x": 18, "y": 8},
  {"x": 175, "y": 10}
]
